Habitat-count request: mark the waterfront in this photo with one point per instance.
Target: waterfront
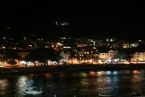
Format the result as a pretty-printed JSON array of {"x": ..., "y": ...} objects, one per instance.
[
  {"x": 70, "y": 68},
  {"x": 81, "y": 84}
]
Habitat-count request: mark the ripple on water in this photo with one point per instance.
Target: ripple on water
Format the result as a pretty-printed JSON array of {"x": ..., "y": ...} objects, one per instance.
[{"x": 122, "y": 83}]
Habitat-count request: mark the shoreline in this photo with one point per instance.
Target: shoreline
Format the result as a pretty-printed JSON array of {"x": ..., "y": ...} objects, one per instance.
[{"x": 71, "y": 68}]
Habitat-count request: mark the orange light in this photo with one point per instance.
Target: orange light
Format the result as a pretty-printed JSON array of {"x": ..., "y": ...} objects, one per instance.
[{"x": 92, "y": 73}]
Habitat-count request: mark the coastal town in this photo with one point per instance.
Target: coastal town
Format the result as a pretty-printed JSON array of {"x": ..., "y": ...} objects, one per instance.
[
  {"x": 36, "y": 51},
  {"x": 74, "y": 48}
]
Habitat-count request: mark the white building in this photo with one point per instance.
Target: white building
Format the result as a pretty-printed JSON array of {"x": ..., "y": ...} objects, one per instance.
[
  {"x": 138, "y": 57},
  {"x": 106, "y": 55}
]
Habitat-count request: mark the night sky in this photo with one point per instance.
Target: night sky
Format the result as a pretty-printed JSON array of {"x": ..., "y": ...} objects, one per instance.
[{"x": 109, "y": 18}]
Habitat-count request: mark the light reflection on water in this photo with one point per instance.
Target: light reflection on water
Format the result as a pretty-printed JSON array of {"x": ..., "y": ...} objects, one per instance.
[
  {"x": 3, "y": 86},
  {"x": 83, "y": 84}
]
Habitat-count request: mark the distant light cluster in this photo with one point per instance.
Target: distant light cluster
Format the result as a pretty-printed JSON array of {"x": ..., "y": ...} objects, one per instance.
[{"x": 60, "y": 23}]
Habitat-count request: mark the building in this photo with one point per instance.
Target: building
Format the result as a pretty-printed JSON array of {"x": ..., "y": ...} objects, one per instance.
[
  {"x": 138, "y": 57},
  {"x": 107, "y": 56}
]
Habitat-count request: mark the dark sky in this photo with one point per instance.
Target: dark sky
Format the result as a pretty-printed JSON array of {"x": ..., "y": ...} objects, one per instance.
[{"x": 85, "y": 18}]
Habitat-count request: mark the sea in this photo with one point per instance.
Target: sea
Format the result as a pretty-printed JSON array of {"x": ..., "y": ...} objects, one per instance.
[{"x": 121, "y": 83}]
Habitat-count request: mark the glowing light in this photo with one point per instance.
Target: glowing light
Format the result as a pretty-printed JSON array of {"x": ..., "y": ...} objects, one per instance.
[
  {"x": 66, "y": 47},
  {"x": 29, "y": 63},
  {"x": 22, "y": 62},
  {"x": 116, "y": 60},
  {"x": 115, "y": 72},
  {"x": 3, "y": 47},
  {"x": 108, "y": 72},
  {"x": 109, "y": 60},
  {"x": 90, "y": 61},
  {"x": 4, "y": 37},
  {"x": 136, "y": 72},
  {"x": 140, "y": 40},
  {"x": 99, "y": 61},
  {"x": 83, "y": 75},
  {"x": 59, "y": 44},
  {"x": 100, "y": 73},
  {"x": 54, "y": 62},
  {"x": 92, "y": 73},
  {"x": 30, "y": 45}
]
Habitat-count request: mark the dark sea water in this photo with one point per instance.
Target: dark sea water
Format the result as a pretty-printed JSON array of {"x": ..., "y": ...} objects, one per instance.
[{"x": 82, "y": 84}]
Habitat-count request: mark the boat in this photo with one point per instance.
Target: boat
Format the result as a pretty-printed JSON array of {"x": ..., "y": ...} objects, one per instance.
[{"x": 33, "y": 91}]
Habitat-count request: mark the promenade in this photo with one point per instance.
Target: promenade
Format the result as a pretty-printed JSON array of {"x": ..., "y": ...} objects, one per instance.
[{"x": 70, "y": 68}]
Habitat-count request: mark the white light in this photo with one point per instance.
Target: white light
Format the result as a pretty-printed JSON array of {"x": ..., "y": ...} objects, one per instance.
[
  {"x": 29, "y": 63},
  {"x": 4, "y": 37},
  {"x": 22, "y": 62},
  {"x": 3, "y": 47},
  {"x": 66, "y": 47},
  {"x": 116, "y": 60},
  {"x": 108, "y": 72},
  {"x": 109, "y": 60},
  {"x": 100, "y": 61},
  {"x": 63, "y": 38},
  {"x": 54, "y": 62},
  {"x": 115, "y": 72},
  {"x": 30, "y": 45}
]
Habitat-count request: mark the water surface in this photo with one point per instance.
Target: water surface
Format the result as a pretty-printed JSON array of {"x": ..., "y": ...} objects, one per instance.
[{"x": 83, "y": 84}]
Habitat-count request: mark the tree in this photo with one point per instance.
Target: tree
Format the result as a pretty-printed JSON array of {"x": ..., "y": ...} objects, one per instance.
[
  {"x": 11, "y": 54},
  {"x": 34, "y": 56},
  {"x": 42, "y": 55},
  {"x": 121, "y": 55}
]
